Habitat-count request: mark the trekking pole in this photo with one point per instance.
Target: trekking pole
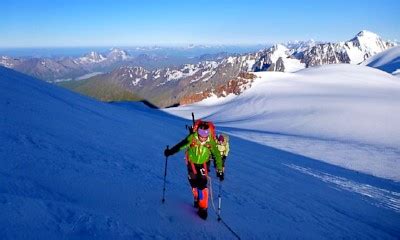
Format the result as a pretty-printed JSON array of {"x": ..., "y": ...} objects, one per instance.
[
  {"x": 165, "y": 176},
  {"x": 219, "y": 201},
  {"x": 219, "y": 207}
]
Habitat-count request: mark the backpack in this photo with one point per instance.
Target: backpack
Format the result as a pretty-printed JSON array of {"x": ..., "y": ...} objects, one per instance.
[
  {"x": 210, "y": 126},
  {"x": 226, "y": 138}
]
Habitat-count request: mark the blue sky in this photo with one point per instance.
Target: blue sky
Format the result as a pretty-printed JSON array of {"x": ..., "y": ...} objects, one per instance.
[{"x": 58, "y": 23}]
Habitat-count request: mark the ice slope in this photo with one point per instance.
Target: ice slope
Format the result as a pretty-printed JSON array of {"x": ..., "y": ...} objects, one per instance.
[
  {"x": 342, "y": 114},
  {"x": 388, "y": 61},
  {"x": 75, "y": 168}
]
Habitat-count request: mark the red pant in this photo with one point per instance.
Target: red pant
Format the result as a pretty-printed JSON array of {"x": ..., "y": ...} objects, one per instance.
[{"x": 197, "y": 175}]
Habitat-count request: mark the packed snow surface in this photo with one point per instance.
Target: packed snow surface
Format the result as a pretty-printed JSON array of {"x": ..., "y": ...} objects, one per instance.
[
  {"x": 75, "y": 168},
  {"x": 388, "y": 61},
  {"x": 342, "y": 114}
]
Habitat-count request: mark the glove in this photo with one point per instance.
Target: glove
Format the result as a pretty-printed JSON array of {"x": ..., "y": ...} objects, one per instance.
[
  {"x": 167, "y": 152},
  {"x": 220, "y": 175}
]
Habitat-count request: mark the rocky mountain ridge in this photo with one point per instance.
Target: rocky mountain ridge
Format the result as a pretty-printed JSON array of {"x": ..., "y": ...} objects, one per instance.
[
  {"x": 231, "y": 75},
  {"x": 218, "y": 74}
]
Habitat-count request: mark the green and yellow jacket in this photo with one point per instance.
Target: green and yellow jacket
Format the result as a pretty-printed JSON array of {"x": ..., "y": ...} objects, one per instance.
[{"x": 199, "y": 152}]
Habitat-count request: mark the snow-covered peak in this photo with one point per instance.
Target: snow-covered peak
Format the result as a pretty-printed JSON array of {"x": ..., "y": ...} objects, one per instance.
[
  {"x": 117, "y": 54},
  {"x": 368, "y": 39},
  {"x": 364, "y": 45},
  {"x": 298, "y": 42},
  {"x": 92, "y": 57},
  {"x": 185, "y": 71},
  {"x": 277, "y": 58},
  {"x": 300, "y": 46},
  {"x": 367, "y": 34},
  {"x": 278, "y": 51},
  {"x": 280, "y": 47}
]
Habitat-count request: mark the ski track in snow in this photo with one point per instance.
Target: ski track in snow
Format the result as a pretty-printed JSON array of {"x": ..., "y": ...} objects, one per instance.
[{"x": 383, "y": 197}]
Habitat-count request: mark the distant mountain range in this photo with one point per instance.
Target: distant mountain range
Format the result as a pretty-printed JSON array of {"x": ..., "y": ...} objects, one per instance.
[
  {"x": 232, "y": 74},
  {"x": 211, "y": 74},
  {"x": 306, "y": 54},
  {"x": 67, "y": 68},
  {"x": 58, "y": 69}
]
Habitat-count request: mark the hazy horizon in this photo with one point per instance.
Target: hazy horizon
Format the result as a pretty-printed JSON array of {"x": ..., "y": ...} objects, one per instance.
[{"x": 186, "y": 51}]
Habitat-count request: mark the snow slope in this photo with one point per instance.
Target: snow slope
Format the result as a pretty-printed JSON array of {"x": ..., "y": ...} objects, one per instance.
[
  {"x": 388, "y": 61},
  {"x": 353, "y": 108},
  {"x": 75, "y": 168}
]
